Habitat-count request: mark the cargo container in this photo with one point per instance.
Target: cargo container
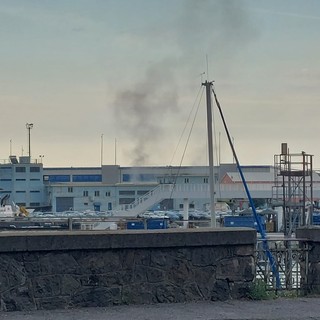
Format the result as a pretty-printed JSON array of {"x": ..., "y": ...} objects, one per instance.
[
  {"x": 157, "y": 223},
  {"x": 244, "y": 221},
  {"x": 147, "y": 224},
  {"x": 135, "y": 225},
  {"x": 316, "y": 219}
]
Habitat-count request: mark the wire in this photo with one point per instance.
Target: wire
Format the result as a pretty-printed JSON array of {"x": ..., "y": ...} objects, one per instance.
[
  {"x": 184, "y": 129},
  {"x": 189, "y": 135}
]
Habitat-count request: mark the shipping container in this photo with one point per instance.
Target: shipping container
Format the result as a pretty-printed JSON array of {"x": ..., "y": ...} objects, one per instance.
[
  {"x": 244, "y": 221},
  {"x": 157, "y": 223},
  {"x": 135, "y": 225}
]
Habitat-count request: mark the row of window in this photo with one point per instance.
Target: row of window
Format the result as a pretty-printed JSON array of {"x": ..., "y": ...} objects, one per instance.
[
  {"x": 73, "y": 178},
  {"x": 108, "y": 193},
  {"x": 96, "y": 193},
  {"x": 22, "y": 169},
  {"x": 92, "y": 177},
  {"x": 20, "y": 191},
  {"x": 20, "y": 180},
  {"x": 32, "y": 169},
  {"x": 86, "y": 192}
]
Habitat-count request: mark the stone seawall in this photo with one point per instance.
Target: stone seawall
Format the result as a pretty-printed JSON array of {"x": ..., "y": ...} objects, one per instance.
[{"x": 69, "y": 269}]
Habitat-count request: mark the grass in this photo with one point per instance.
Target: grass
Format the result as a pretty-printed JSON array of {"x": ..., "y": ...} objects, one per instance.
[{"x": 259, "y": 291}]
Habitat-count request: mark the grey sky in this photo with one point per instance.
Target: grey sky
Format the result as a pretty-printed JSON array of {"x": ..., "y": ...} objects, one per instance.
[{"x": 130, "y": 70}]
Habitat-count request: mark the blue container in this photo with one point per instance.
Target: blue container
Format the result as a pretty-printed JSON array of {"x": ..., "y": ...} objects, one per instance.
[
  {"x": 157, "y": 224},
  {"x": 316, "y": 219},
  {"x": 244, "y": 221},
  {"x": 135, "y": 225}
]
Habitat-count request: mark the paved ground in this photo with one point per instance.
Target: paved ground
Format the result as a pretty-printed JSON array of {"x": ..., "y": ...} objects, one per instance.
[{"x": 279, "y": 309}]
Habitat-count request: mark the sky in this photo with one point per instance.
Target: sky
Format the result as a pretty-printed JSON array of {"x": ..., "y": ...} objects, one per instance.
[{"x": 119, "y": 81}]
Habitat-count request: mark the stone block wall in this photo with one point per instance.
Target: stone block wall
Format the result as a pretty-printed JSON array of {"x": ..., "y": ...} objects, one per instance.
[
  {"x": 69, "y": 269},
  {"x": 311, "y": 272}
]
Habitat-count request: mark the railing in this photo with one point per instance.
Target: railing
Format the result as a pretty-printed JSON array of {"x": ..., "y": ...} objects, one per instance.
[
  {"x": 163, "y": 191},
  {"x": 291, "y": 258}
]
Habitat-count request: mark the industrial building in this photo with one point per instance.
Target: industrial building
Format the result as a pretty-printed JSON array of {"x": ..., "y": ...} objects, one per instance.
[{"x": 112, "y": 187}]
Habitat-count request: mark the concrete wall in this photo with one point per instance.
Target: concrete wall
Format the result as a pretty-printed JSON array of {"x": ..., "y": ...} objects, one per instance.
[
  {"x": 311, "y": 237},
  {"x": 62, "y": 269}
]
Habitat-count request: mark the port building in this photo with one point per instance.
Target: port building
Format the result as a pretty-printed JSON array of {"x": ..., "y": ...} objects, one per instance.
[{"x": 113, "y": 187}]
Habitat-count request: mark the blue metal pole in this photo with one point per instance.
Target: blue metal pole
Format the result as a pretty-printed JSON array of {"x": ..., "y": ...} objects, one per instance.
[{"x": 260, "y": 227}]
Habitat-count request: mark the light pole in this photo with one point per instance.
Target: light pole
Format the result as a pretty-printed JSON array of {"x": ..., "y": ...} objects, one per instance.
[{"x": 29, "y": 126}]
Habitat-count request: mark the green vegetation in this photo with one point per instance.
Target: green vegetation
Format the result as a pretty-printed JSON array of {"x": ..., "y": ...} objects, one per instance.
[{"x": 259, "y": 291}]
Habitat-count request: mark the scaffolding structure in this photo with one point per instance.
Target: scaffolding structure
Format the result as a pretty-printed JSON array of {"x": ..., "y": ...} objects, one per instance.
[{"x": 293, "y": 189}]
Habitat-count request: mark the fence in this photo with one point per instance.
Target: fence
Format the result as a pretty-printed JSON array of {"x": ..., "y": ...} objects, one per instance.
[{"x": 291, "y": 259}]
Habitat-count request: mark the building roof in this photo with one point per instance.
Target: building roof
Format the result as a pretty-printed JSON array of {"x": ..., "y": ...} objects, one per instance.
[{"x": 234, "y": 177}]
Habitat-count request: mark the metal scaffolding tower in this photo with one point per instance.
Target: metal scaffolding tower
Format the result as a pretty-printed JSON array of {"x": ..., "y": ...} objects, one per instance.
[{"x": 293, "y": 188}]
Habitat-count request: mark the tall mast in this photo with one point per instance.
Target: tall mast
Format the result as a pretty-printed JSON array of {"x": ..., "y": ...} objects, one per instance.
[{"x": 208, "y": 86}]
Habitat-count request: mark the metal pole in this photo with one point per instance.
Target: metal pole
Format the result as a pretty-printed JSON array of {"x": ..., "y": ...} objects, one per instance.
[
  {"x": 29, "y": 126},
  {"x": 208, "y": 86},
  {"x": 101, "y": 151},
  {"x": 115, "y": 152}
]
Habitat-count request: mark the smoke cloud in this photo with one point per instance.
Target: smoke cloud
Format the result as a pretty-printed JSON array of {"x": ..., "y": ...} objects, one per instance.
[
  {"x": 141, "y": 111},
  {"x": 202, "y": 27}
]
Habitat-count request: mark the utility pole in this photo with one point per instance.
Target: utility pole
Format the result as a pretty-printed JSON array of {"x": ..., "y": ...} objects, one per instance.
[
  {"x": 208, "y": 86},
  {"x": 101, "y": 151},
  {"x": 29, "y": 126}
]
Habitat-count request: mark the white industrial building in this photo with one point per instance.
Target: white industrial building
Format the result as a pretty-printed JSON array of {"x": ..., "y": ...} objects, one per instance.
[{"x": 112, "y": 187}]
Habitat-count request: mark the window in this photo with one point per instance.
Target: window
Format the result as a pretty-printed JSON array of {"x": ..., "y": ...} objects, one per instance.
[
  {"x": 20, "y": 191},
  {"x": 125, "y": 200},
  {"x": 34, "y": 191},
  {"x": 34, "y": 179},
  {"x": 108, "y": 194},
  {"x": 57, "y": 178},
  {"x": 34, "y": 204},
  {"x": 186, "y": 180},
  {"x": 142, "y": 192},
  {"x": 70, "y": 189},
  {"x": 87, "y": 178},
  {"x": 5, "y": 180},
  {"x": 97, "y": 193},
  {"x": 205, "y": 180},
  {"x": 141, "y": 177},
  {"x": 34, "y": 169},
  {"x": 20, "y": 179},
  {"x": 126, "y": 193},
  {"x": 85, "y": 193},
  {"x": 20, "y": 169}
]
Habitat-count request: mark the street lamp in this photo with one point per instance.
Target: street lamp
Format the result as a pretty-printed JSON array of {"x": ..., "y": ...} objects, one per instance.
[{"x": 29, "y": 126}]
